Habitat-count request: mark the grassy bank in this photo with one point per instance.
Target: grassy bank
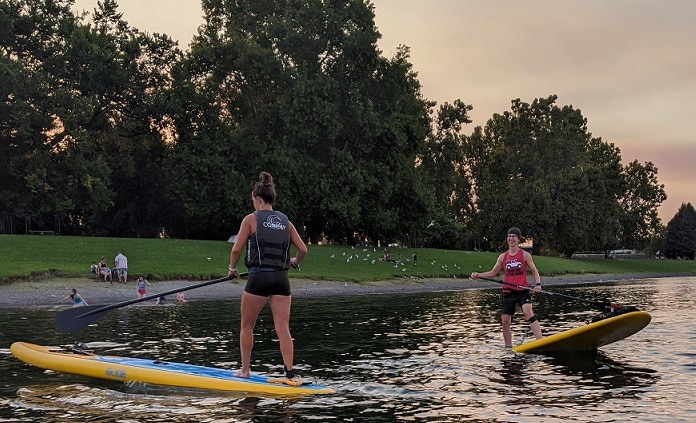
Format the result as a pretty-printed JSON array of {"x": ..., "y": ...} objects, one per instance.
[{"x": 33, "y": 256}]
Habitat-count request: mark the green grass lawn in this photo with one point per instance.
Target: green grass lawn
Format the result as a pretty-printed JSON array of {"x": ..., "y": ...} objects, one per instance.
[{"x": 24, "y": 256}]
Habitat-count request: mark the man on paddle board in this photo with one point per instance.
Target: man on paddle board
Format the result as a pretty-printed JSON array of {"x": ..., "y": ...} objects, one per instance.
[
  {"x": 515, "y": 262},
  {"x": 268, "y": 234}
]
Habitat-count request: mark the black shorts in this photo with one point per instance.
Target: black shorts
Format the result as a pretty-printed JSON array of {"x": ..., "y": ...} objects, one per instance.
[
  {"x": 512, "y": 298},
  {"x": 267, "y": 283}
]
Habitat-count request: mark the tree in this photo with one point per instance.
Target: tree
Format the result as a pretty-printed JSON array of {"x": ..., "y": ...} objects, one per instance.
[
  {"x": 680, "y": 235},
  {"x": 442, "y": 165},
  {"x": 48, "y": 173},
  {"x": 642, "y": 196},
  {"x": 538, "y": 168},
  {"x": 125, "y": 74},
  {"x": 84, "y": 136},
  {"x": 299, "y": 89}
]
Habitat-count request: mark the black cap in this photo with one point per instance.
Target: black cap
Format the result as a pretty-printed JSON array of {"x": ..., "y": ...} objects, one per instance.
[{"x": 515, "y": 231}]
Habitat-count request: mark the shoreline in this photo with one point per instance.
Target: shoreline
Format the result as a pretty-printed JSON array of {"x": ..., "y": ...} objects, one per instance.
[{"x": 52, "y": 292}]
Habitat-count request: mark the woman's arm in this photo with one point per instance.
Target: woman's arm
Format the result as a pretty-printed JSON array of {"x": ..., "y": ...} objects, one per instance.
[
  {"x": 299, "y": 245},
  {"x": 245, "y": 229}
]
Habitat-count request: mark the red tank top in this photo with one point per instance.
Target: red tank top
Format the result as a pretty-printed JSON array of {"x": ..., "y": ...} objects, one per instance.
[{"x": 515, "y": 270}]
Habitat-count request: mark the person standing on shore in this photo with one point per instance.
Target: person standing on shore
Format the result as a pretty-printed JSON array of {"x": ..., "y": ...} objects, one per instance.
[
  {"x": 77, "y": 299},
  {"x": 268, "y": 235},
  {"x": 121, "y": 265},
  {"x": 515, "y": 262}
]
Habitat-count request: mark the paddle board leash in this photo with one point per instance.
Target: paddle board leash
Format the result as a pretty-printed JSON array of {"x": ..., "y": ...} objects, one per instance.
[
  {"x": 526, "y": 332},
  {"x": 524, "y": 337},
  {"x": 611, "y": 310},
  {"x": 295, "y": 381},
  {"x": 79, "y": 348}
]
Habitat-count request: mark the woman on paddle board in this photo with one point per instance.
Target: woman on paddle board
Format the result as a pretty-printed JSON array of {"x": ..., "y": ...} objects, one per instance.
[
  {"x": 268, "y": 235},
  {"x": 516, "y": 262}
]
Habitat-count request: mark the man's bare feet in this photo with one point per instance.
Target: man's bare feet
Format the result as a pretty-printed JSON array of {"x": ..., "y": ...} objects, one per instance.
[{"x": 241, "y": 374}]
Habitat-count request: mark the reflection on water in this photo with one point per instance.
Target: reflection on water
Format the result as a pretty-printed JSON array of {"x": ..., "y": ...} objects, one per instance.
[{"x": 429, "y": 357}]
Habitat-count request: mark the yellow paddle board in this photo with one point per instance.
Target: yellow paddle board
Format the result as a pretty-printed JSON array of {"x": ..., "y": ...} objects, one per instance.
[
  {"x": 154, "y": 372},
  {"x": 591, "y": 336}
]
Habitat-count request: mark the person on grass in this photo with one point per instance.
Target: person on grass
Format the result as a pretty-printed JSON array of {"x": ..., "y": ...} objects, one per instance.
[
  {"x": 267, "y": 234},
  {"x": 515, "y": 262}
]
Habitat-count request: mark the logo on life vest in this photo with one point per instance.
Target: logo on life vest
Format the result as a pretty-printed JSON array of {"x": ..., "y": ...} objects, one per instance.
[{"x": 274, "y": 222}]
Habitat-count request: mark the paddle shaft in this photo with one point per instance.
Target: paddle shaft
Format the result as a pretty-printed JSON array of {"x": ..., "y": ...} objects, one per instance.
[
  {"x": 77, "y": 318},
  {"x": 154, "y": 296},
  {"x": 570, "y": 297}
]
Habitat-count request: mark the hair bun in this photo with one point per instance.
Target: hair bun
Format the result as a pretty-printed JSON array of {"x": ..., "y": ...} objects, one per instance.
[{"x": 265, "y": 178}]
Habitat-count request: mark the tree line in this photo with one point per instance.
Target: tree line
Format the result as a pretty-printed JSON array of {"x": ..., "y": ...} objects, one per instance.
[{"x": 107, "y": 130}]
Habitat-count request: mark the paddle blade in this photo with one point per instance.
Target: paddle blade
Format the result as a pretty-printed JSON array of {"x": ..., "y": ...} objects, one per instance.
[{"x": 78, "y": 318}]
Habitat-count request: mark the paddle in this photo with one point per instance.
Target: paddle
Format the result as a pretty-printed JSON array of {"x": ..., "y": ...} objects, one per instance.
[
  {"x": 602, "y": 305},
  {"x": 74, "y": 319}
]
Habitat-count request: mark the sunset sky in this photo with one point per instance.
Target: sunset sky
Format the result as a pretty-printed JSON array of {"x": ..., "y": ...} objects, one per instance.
[{"x": 628, "y": 65}]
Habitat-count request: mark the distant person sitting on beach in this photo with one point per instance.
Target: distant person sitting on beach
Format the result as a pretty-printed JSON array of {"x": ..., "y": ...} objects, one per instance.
[
  {"x": 141, "y": 284},
  {"x": 161, "y": 300},
  {"x": 104, "y": 270},
  {"x": 77, "y": 299}
]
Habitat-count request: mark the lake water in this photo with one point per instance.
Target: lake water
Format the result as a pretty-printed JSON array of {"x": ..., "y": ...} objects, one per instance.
[{"x": 434, "y": 357}]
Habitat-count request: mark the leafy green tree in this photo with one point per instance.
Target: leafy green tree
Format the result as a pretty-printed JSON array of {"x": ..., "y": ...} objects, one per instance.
[
  {"x": 299, "y": 89},
  {"x": 443, "y": 165},
  {"x": 538, "y": 168},
  {"x": 124, "y": 74},
  {"x": 47, "y": 172},
  {"x": 680, "y": 234},
  {"x": 83, "y": 136},
  {"x": 643, "y": 195}
]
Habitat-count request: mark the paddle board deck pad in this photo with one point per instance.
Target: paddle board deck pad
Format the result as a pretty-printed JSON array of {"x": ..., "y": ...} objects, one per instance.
[
  {"x": 591, "y": 336},
  {"x": 154, "y": 372}
]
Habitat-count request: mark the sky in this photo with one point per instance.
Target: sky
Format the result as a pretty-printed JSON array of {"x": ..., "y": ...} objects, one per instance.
[{"x": 628, "y": 65}]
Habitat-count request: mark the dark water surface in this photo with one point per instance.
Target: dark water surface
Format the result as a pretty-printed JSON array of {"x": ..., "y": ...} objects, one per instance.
[{"x": 433, "y": 357}]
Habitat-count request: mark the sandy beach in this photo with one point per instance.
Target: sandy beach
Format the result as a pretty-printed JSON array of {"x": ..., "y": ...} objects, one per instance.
[{"x": 52, "y": 292}]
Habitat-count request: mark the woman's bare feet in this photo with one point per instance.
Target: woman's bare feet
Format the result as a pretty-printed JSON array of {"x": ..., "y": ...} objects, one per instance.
[{"x": 241, "y": 374}]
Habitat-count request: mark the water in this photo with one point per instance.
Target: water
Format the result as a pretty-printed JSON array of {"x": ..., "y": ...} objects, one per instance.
[{"x": 433, "y": 357}]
